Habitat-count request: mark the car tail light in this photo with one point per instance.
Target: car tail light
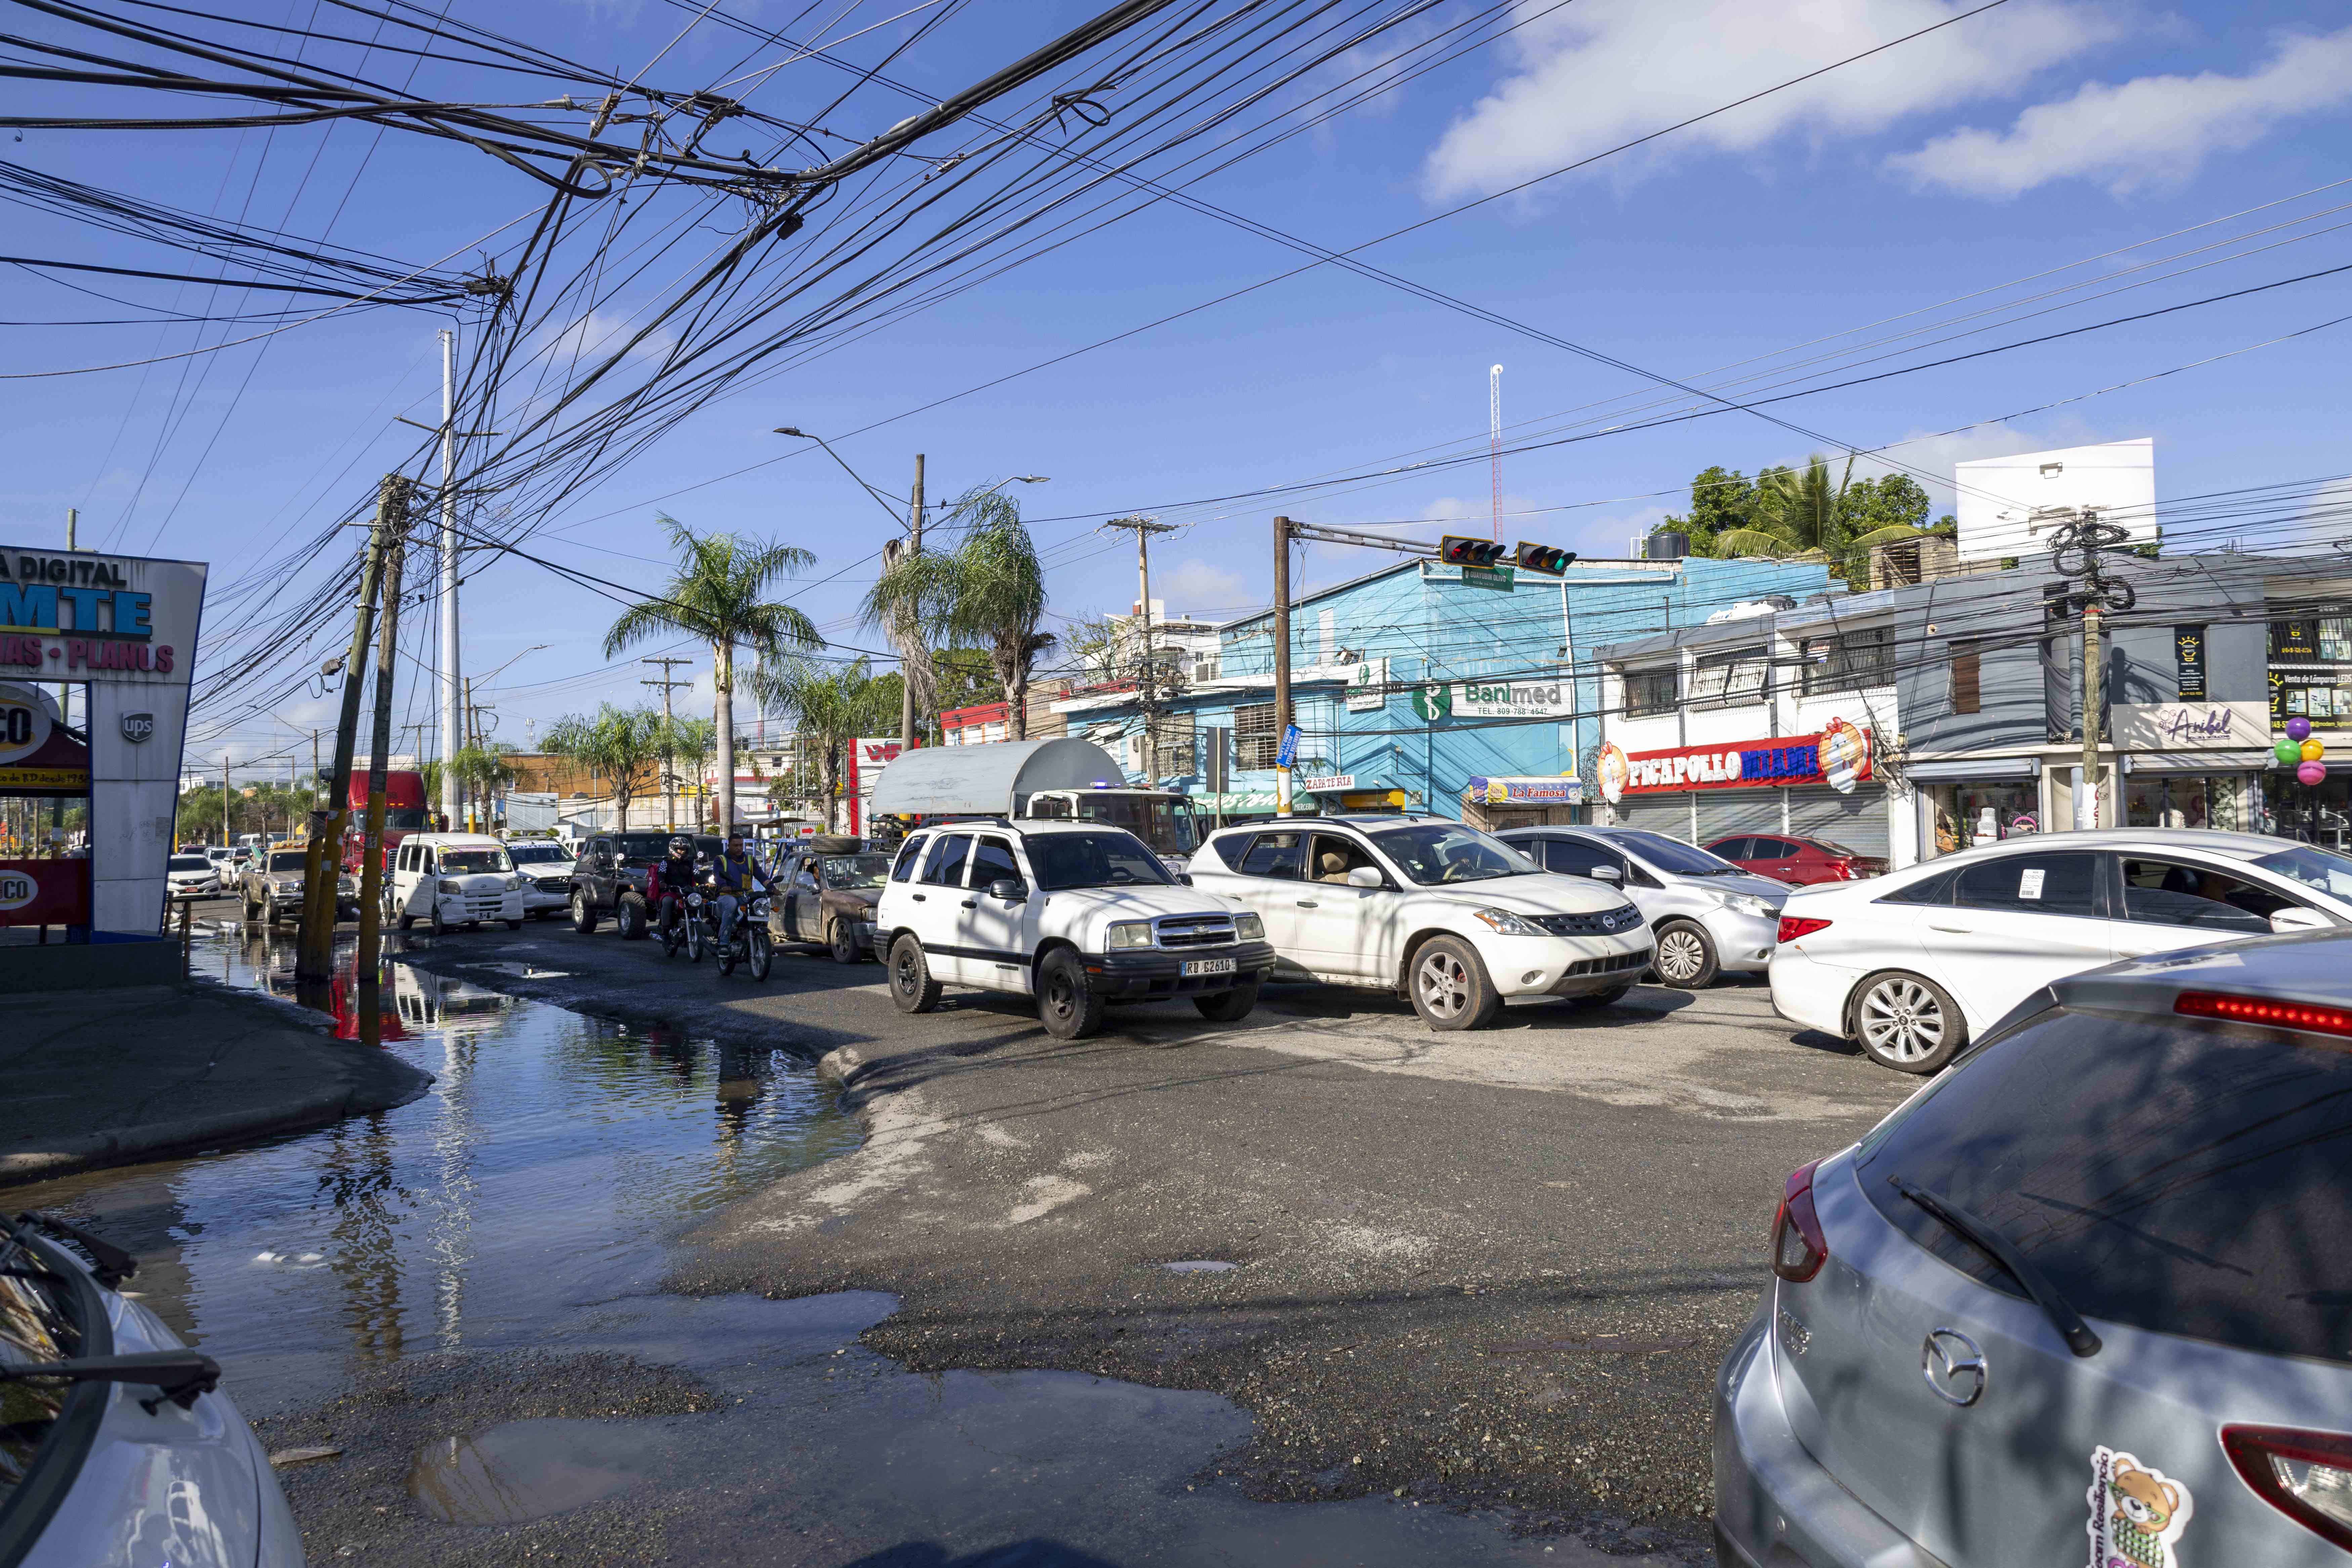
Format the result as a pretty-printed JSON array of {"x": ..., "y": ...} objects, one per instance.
[
  {"x": 2261, "y": 1010},
  {"x": 2306, "y": 1476},
  {"x": 1794, "y": 926},
  {"x": 1842, "y": 871},
  {"x": 1799, "y": 1249}
]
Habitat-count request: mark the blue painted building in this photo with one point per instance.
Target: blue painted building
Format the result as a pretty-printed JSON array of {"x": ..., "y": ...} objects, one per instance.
[{"x": 1416, "y": 679}]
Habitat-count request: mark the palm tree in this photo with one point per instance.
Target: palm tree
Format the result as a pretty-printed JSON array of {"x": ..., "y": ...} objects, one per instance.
[
  {"x": 617, "y": 746},
  {"x": 903, "y": 621},
  {"x": 988, "y": 590},
  {"x": 1797, "y": 514},
  {"x": 716, "y": 595},
  {"x": 829, "y": 707},
  {"x": 482, "y": 770}
]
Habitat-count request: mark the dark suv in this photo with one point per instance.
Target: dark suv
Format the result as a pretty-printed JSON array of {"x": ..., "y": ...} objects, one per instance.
[{"x": 609, "y": 878}]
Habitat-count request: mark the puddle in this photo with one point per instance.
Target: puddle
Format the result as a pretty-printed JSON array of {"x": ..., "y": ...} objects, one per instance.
[
  {"x": 526, "y": 1469},
  {"x": 1198, "y": 1265}
]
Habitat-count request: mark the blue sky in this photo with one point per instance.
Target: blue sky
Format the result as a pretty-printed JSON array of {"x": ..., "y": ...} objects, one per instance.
[{"x": 2039, "y": 135}]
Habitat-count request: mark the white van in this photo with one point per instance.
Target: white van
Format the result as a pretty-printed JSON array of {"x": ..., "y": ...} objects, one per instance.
[{"x": 453, "y": 878}]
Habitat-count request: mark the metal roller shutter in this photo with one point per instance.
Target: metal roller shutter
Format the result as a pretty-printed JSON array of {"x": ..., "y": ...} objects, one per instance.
[
  {"x": 1724, "y": 811},
  {"x": 1667, "y": 814},
  {"x": 1858, "y": 820}
]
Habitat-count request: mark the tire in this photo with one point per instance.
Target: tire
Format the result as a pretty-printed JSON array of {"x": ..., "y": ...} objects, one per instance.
[
  {"x": 694, "y": 936},
  {"x": 1907, "y": 1022},
  {"x": 1068, "y": 1007},
  {"x": 911, "y": 985},
  {"x": 764, "y": 952},
  {"x": 1229, "y": 1006},
  {"x": 726, "y": 958},
  {"x": 629, "y": 918},
  {"x": 1687, "y": 958},
  {"x": 440, "y": 926},
  {"x": 1450, "y": 987},
  {"x": 1599, "y": 999},
  {"x": 842, "y": 942},
  {"x": 514, "y": 925},
  {"x": 673, "y": 932},
  {"x": 272, "y": 917},
  {"x": 584, "y": 913},
  {"x": 404, "y": 921}
]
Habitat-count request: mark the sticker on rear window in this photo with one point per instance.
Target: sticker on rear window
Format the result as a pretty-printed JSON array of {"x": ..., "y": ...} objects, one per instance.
[
  {"x": 2029, "y": 882},
  {"x": 2137, "y": 1515}
]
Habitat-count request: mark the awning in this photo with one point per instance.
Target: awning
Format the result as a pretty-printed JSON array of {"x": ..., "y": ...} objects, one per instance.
[
  {"x": 2197, "y": 762},
  {"x": 1976, "y": 768}
]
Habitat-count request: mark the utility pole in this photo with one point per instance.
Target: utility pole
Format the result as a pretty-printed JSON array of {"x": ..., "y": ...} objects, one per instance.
[
  {"x": 371, "y": 836},
  {"x": 669, "y": 737},
  {"x": 227, "y": 835},
  {"x": 1143, "y": 528},
  {"x": 1282, "y": 526},
  {"x": 451, "y": 650},
  {"x": 1494, "y": 443},
  {"x": 469, "y": 735},
  {"x": 73, "y": 518},
  {"x": 2074, "y": 552},
  {"x": 915, "y": 547},
  {"x": 331, "y": 818}
]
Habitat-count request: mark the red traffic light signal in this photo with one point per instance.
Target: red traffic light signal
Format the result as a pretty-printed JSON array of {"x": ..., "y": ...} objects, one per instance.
[
  {"x": 1459, "y": 549},
  {"x": 1544, "y": 558}
]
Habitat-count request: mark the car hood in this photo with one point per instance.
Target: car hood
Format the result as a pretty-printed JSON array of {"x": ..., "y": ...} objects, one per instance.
[
  {"x": 1547, "y": 893},
  {"x": 860, "y": 898},
  {"x": 1148, "y": 901}
]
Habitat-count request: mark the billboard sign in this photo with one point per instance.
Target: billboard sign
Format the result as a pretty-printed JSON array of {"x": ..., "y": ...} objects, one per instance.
[{"x": 2011, "y": 506}]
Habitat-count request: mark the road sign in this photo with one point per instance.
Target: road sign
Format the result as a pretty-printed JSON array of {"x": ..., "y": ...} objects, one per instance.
[
  {"x": 1432, "y": 702},
  {"x": 1288, "y": 752}
]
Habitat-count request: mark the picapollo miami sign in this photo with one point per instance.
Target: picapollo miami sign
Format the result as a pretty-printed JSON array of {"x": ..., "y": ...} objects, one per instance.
[{"x": 1838, "y": 756}]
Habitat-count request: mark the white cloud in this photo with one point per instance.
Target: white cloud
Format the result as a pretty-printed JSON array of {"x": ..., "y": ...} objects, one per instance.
[
  {"x": 1603, "y": 71},
  {"x": 2154, "y": 130},
  {"x": 1199, "y": 586},
  {"x": 596, "y": 335}
]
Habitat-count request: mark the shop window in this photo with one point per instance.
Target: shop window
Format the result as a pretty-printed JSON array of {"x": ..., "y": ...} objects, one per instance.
[
  {"x": 2183, "y": 800},
  {"x": 1725, "y": 680},
  {"x": 1648, "y": 691},
  {"x": 1967, "y": 678},
  {"x": 1850, "y": 660},
  {"x": 1968, "y": 814},
  {"x": 1256, "y": 738}
]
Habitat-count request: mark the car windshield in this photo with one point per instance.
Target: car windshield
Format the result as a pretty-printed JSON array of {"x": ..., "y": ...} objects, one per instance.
[
  {"x": 465, "y": 862},
  {"x": 189, "y": 863},
  {"x": 286, "y": 859},
  {"x": 1096, "y": 860},
  {"x": 1432, "y": 853},
  {"x": 850, "y": 871},
  {"x": 2174, "y": 1176},
  {"x": 1673, "y": 856},
  {"x": 2323, "y": 869},
  {"x": 537, "y": 854}
]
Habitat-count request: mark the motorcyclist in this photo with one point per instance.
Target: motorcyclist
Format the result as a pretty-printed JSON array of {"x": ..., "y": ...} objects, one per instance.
[
  {"x": 733, "y": 872},
  {"x": 668, "y": 879}
]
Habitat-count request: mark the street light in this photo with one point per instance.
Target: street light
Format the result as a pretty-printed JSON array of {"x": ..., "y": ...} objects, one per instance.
[{"x": 879, "y": 500}]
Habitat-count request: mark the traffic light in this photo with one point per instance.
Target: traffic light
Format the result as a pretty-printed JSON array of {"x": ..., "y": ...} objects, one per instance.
[
  {"x": 1544, "y": 558},
  {"x": 1459, "y": 549}
]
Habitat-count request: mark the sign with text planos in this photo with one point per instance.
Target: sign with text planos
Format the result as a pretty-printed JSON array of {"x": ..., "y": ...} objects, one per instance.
[{"x": 1747, "y": 765}]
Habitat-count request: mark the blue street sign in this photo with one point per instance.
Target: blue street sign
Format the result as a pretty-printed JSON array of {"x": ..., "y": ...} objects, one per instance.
[{"x": 1290, "y": 751}]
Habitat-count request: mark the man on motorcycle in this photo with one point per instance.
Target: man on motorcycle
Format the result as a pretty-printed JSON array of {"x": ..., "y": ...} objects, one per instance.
[
  {"x": 667, "y": 882},
  {"x": 732, "y": 873}
]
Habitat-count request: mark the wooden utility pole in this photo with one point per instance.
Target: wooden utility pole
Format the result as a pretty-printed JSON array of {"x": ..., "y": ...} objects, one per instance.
[
  {"x": 315, "y": 959},
  {"x": 906, "y": 677},
  {"x": 1282, "y": 526},
  {"x": 1143, "y": 528},
  {"x": 669, "y": 683},
  {"x": 372, "y": 839}
]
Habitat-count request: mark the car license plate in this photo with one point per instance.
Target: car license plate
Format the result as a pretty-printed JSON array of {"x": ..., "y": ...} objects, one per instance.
[{"x": 1208, "y": 966}]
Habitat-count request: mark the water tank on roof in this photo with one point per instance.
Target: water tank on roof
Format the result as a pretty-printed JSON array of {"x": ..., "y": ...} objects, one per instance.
[{"x": 1667, "y": 545}]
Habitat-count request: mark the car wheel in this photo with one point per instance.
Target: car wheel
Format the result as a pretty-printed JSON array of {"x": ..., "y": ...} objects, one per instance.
[
  {"x": 405, "y": 921},
  {"x": 1229, "y": 1006},
  {"x": 842, "y": 942},
  {"x": 514, "y": 925},
  {"x": 440, "y": 926},
  {"x": 1599, "y": 999},
  {"x": 583, "y": 917},
  {"x": 629, "y": 918},
  {"x": 1450, "y": 986},
  {"x": 1908, "y": 1023},
  {"x": 1069, "y": 1007},
  {"x": 911, "y": 985},
  {"x": 1685, "y": 957}
]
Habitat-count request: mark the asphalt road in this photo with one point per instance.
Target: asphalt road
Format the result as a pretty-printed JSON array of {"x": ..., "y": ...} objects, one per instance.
[{"x": 1491, "y": 1272}]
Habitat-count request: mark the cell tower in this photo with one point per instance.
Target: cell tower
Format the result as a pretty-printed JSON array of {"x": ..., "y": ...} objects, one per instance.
[{"x": 1495, "y": 442}]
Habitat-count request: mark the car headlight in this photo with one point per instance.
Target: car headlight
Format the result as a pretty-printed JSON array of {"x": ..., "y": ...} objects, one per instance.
[
  {"x": 1130, "y": 933},
  {"x": 1750, "y": 904},
  {"x": 1249, "y": 927},
  {"x": 515, "y": 884},
  {"x": 1506, "y": 922}
]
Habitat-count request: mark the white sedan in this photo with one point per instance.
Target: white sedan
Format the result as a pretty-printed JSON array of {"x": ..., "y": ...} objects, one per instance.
[
  {"x": 1458, "y": 921},
  {"x": 1914, "y": 965}
]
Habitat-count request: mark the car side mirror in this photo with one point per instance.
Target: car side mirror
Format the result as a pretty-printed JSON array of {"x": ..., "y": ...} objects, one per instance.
[
  {"x": 1010, "y": 891},
  {"x": 1184, "y": 878},
  {"x": 2295, "y": 919},
  {"x": 1607, "y": 874},
  {"x": 1365, "y": 877}
]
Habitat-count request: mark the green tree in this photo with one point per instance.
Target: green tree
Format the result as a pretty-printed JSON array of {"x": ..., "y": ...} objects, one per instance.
[
  {"x": 717, "y": 593},
  {"x": 829, "y": 705},
  {"x": 1722, "y": 499},
  {"x": 989, "y": 591},
  {"x": 619, "y": 745},
  {"x": 481, "y": 771},
  {"x": 686, "y": 746}
]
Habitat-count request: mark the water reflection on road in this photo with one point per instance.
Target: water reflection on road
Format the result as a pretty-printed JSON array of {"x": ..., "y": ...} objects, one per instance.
[{"x": 543, "y": 1171}]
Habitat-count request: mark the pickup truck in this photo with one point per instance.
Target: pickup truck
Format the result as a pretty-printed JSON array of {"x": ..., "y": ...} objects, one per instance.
[
  {"x": 270, "y": 886},
  {"x": 609, "y": 878},
  {"x": 1076, "y": 914}
]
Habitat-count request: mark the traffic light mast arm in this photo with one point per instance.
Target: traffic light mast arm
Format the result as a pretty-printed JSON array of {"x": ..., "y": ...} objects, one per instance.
[{"x": 1346, "y": 536}]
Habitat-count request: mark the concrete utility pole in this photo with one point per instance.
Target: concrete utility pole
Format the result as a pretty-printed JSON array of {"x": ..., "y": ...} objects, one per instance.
[
  {"x": 914, "y": 547},
  {"x": 1495, "y": 443},
  {"x": 668, "y": 684},
  {"x": 371, "y": 836},
  {"x": 450, "y": 648},
  {"x": 1143, "y": 529},
  {"x": 315, "y": 961},
  {"x": 73, "y": 519},
  {"x": 227, "y": 835},
  {"x": 1282, "y": 526}
]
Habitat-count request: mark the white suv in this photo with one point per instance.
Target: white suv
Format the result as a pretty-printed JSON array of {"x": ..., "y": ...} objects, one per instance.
[
  {"x": 1076, "y": 914},
  {"x": 1458, "y": 921}
]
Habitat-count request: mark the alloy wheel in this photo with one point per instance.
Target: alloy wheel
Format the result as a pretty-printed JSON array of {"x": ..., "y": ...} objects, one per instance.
[
  {"x": 1901, "y": 1020},
  {"x": 1444, "y": 984}
]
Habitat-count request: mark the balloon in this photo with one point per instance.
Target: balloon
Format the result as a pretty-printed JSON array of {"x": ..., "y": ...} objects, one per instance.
[
  {"x": 2311, "y": 773},
  {"x": 2298, "y": 728},
  {"x": 2313, "y": 751},
  {"x": 2287, "y": 752}
]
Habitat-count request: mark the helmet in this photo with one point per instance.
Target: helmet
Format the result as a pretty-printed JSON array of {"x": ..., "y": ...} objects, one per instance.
[{"x": 681, "y": 845}]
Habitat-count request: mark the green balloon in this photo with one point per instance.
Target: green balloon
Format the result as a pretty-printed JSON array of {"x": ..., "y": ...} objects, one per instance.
[{"x": 2288, "y": 753}]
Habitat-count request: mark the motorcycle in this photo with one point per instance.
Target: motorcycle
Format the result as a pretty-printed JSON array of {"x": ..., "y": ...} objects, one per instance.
[
  {"x": 677, "y": 915},
  {"x": 752, "y": 943}
]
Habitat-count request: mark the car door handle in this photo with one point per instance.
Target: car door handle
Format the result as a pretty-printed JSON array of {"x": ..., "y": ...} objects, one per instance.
[
  {"x": 971, "y": 904},
  {"x": 1309, "y": 904},
  {"x": 916, "y": 897},
  {"x": 1939, "y": 925}
]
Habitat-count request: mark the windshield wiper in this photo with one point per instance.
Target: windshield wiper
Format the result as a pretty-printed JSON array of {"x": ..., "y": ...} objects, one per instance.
[{"x": 1981, "y": 1233}]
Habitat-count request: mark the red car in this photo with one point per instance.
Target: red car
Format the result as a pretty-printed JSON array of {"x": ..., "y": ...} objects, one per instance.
[{"x": 1800, "y": 861}]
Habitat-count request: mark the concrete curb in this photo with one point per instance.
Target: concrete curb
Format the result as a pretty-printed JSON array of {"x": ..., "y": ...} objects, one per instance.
[{"x": 92, "y": 1149}]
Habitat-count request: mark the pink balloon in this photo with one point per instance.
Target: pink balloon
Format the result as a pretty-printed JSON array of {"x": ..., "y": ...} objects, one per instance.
[{"x": 2311, "y": 773}]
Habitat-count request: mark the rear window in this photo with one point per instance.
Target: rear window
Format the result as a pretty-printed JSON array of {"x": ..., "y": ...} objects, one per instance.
[{"x": 2179, "y": 1177}]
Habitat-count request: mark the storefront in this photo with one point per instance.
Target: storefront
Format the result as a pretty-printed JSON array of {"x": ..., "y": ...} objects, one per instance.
[
  {"x": 1534, "y": 800},
  {"x": 1820, "y": 785},
  {"x": 2193, "y": 764},
  {"x": 1964, "y": 803},
  {"x": 2310, "y": 679}
]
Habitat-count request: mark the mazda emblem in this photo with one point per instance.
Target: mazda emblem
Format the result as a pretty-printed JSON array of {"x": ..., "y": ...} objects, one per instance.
[{"x": 1954, "y": 1367}]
